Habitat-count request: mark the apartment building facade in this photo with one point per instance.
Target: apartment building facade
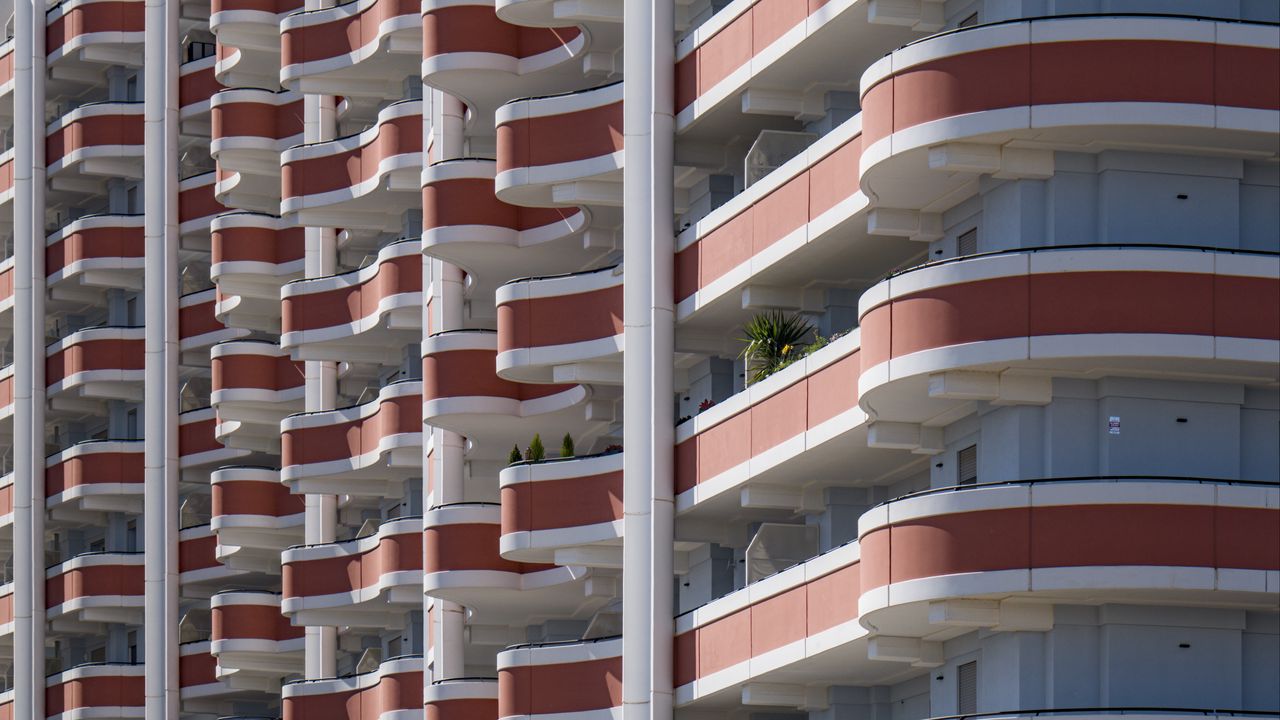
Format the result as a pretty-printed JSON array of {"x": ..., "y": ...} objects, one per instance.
[{"x": 389, "y": 359}]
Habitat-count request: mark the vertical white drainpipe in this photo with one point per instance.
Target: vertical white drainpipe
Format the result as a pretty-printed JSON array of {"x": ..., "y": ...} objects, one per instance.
[
  {"x": 320, "y": 124},
  {"x": 448, "y": 447},
  {"x": 28, "y": 530},
  {"x": 172, "y": 339},
  {"x": 648, "y": 313},
  {"x": 158, "y": 635}
]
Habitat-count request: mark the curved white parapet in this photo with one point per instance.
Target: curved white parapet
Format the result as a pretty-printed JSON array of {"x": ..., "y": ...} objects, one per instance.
[
  {"x": 97, "y": 691},
  {"x": 360, "y": 48},
  {"x": 461, "y": 696},
  {"x": 365, "y": 694},
  {"x": 115, "y": 37},
  {"x": 546, "y": 146},
  {"x": 320, "y": 588},
  {"x": 362, "y": 315},
  {"x": 254, "y": 516},
  {"x": 255, "y": 386},
  {"x": 94, "y": 253},
  {"x": 95, "y": 587},
  {"x": 94, "y": 477},
  {"x": 363, "y": 450},
  {"x": 463, "y": 564},
  {"x": 253, "y": 255},
  {"x": 101, "y": 362},
  {"x": 580, "y": 679},
  {"x": 102, "y": 139},
  {"x": 535, "y": 344},
  {"x": 364, "y": 180},
  {"x": 253, "y": 643},
  {"x": 551, "y": 508},
  {"x": 248, "y": 33},
  {"x": 251, "y": 127}
]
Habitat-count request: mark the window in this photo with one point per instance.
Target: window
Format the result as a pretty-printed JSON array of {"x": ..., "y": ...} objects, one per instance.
[
  {"x": 131, "y": 424},
  {"x": 967, "y": 466},
  {"x": 967, "y": 243},
  {"x": 967, "y": 688},
  {"x": 98, "y": 545},
  {"x": 131, "y": 536},
  {"x": 133, "y": 647},
  {"x": 97, "y": 654}
]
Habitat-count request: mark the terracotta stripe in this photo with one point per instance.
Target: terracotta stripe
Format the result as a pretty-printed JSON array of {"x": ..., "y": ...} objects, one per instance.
[
  {"x": 343, "y": 305},
  {"x": 395, "y": 553},
  {"x": 567, "y": 137},
  {"x": 254, "y": 497},
  {"x": 344, "y": 440},
  {"x": 343, "y": 35},
  {"x": 556, "y": 320},
  {"x": 476, "y": 28},
  {"x": 554, "y": 504}
]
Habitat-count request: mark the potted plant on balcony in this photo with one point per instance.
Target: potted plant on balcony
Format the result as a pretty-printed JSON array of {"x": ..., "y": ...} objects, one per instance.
[
  {"x": 772, "y": 338},
  {"x": 566, "y": 446}
]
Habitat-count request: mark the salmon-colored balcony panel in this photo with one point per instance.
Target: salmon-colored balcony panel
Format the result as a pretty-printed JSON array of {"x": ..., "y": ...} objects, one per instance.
[
  {"x": 250, "y": 128},
  {"x": 6, "y": 67},
  {"x": 464, "y": 223},
  {"x": 197, "y": 206},
  {"x": 562, "y": 138},
  {"x": 393, "y": 690},
  {"x": 6, "y": 395},
  {"x": 254, "y": 516},
  {"x": 198, "y": 444},
  {"x": 1059, "y": 310},
  {"x": 198, "y": 673},
  {"x": 96, "y": 586},
  {"x": 366, "y": 314},
  {"x": 110, "y": 691},
  {"x": 199, "y": 569},
  {"x": 1144, "y": 540},
  {"x": 463, "y": 563},
  {"x": 255, "y": 386},
  {"x": 363, "y": 582},
  {"x": 95, "y": 476},
  {"x": 6, "y": 610},
  {"x": 6, "y": 176},
  {"x": 461, "y": 699},
  {"x": 252, "y": 256},
  {"x": 564, "y": 677},
  {"x": 809, "y": 409},
  {"x": 363, "y": 450},
  {"x": 358, "y": 48},
  {"x": 6, "y": 290},
  {"x": 6, "y": 705},
  {"x": 811, "y": 606},
  {"x": 1057, "y": 82},
  {"x": 101, "y": 251},
  {"x": 6, "y": 500},
  {"x": 533, "y": 337},
  {"x": 549, "y": 506},
  {"x": 103, "y": 138},
  {"x": 199, "y": 327},
  {"x": 102, "y": 31},
  {"x": 251, "y": 640},
  {"x": 197, "y": 83},
  {"x": 365, "y": 177},
  {"x": 100, "y": 361}
]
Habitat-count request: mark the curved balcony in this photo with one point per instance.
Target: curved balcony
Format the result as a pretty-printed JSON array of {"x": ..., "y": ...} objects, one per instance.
[
  {"x": 365, "y": 315},
  {"x": 804, "y": 222},
  {"x": 535, "y": 344},
  {"x": 6, "y": 616},
  {"x": 200, "y": 688},
  {"x": 6, "y": 501},
  {"x": 197, "y": 82},
  {"x": 248, "y": 33},
  {"x": 7, "y": 187},
  {"x": 97, "y": 691},
  {"x": 1093, "y": 540},
  {"x": 778, "y": 436},
  {"x": 6, "y": 291},
  {"x": 366, "y": 582},
  {"x": 93, "y": 254},
  {"x": 582, "y": 677},
  {"x": 461, "y": 698},
  {"x": 199, "y": 570},
  {"x": 95, "y": 587},
  {"x": 253, "y": 255},
  {"x": 199, "y": 327},
  {"x": 198, "y": 445},
  {"x": 364, "y": 180},
  {"x": 463, "y": 564},
  {"x": 550, "y": 509},
  {"x": 365, "y": 450},
  {"x": 393, "y": 690},
  {"x": 254, "y": 644},
  {"x": 801, "y": 622},
  {"x": 251, "y": 127},
  {"x": 102, "y": 139},
  {"x": 943, "y": 110},
  {"x": 7, "y": 65},
  {"x": 465, "y": 223},
  {"x": 94, "y": 477},
  {"x": 758, "y": 58},
  {"x": 6, "y": 400},
  {"x": 84, "y": 36},
  {"x": 197, "y": 207},
  {"x": 359, "y": 48},
  {"x": 255, "y": 386},
  {"x": 255, "y": 517},
  {"x": 95, "y": 363},
  {"x": 1064, "y": 310},
  {"x": 463, "y": 393},
  {"x": 469, "y": 52},
  {"x": 561, "y": 150}
]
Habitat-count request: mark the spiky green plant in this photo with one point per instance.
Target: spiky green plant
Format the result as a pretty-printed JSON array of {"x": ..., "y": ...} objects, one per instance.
[
  {"x": 771, "y": 338},
  {"x": 514, "y": 457},
  {"x": 535, "y": 452},
  {"x": 566, "y": 446}
]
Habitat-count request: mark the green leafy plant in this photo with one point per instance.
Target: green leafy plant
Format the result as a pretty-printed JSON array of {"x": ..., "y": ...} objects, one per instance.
[
  {"x": 535, "y": 452},
  {"x": 514, "y": 457},
  {"x": 566, "y": 446},
  {"x": 772, "y": 339}
]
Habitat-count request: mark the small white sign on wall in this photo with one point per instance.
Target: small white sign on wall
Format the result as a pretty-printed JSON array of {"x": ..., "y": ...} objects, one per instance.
[{"x": 1113, "y": 425}]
